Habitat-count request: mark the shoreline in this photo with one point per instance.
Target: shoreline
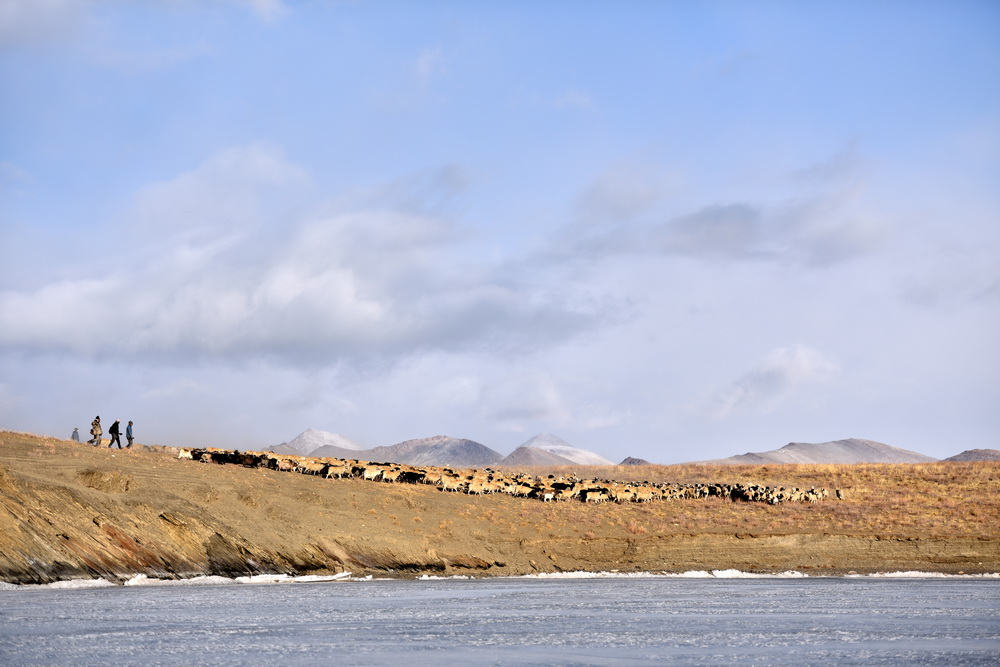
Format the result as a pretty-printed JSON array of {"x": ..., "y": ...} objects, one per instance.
[
  {"x": 762, "y": 557},
  {"x": 142, "y": 580}
]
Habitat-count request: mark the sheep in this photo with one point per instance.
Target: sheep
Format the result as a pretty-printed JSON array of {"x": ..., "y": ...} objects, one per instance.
[{"x": 547, "y": 489}]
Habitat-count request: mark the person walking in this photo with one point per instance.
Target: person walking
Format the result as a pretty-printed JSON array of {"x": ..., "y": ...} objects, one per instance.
[
  {"x": 75, "y": 437},
  {"x": 95, "y": 430},
  {"x": 113, "y": 432},
  {"x": 128, "y": 434}
]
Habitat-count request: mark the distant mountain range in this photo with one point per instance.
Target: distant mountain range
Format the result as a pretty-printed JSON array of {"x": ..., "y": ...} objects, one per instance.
[
  {"x": 851, "y": 450},
  {"x": 441, "y": 450},
  {"x": 546, "y": 449}
]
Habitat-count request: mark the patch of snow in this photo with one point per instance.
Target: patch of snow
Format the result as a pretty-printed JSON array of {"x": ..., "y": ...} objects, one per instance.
[
  {"x": 77, "y": 583},
  {"x": 312, "y": 439},
  {"x": 143, "y": 580},
  {"x": 204, "y": 579},
  {"x": 310, "y": 578},
  {"x": 739, "y": 574},
  {"x": 556, "y": 445},
  {"x": 263, "y": 579}
]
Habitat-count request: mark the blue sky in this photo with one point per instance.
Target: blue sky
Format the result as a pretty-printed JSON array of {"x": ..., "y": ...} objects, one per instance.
[{"x": 667, "y": 230}]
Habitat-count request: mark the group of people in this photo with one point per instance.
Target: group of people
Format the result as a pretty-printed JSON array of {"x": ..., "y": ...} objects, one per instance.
[{"x": 114, "y": 432}]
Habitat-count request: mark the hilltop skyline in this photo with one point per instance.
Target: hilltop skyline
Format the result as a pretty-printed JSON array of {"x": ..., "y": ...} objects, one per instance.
[{"x": 672, "y": 232}]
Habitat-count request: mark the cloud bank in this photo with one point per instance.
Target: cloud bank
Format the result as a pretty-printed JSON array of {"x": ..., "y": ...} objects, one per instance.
[
  {"x": 225, "y": 265},
  {"x": 781, "y": 372}
]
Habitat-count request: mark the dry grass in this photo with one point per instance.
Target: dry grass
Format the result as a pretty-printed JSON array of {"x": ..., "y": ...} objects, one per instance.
[{"x": 893, "y": 500}]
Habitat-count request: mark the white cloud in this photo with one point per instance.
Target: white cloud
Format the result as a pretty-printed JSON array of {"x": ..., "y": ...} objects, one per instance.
[
  {"x": 225, "y": 262},
  {"x": 642, "y": 209},
  {"x": 25, "y": 22},
  {"x": 9, "y": 400},
  {"x": 267, "y": 10},
  {"x": 573, "y": 99},
  {"x": 845, "y": 164},
  {"x": 11, "y": 173},
  {"x": 771, "y": 381},
  {"x": 593, "y": 417},
  {"x": 556, "y": 99},
  {"x": 181, "y": 388},
  {"x": 430, "y": 63},
  {"x": 623, "y": 193},
  {"x": 233, "y": 191},
  {"x": 820, "y": 231},
  {"x": 149, "y": 59},
  {"x": 516, "y": 402}
]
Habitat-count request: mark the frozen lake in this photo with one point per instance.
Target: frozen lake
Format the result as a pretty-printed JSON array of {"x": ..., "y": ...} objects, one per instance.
[{"x": 603, "y": 621}]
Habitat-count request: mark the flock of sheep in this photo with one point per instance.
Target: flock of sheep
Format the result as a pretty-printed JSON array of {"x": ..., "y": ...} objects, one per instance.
[{"x": 550, "y": 488}]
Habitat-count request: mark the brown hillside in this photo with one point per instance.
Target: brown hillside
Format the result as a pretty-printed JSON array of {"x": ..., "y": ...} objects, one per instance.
[
  {"x": 531, "y": 456},
  {"x": 850, "y": 450},
  {"x": 976, "y": 455},
  {"x": 68, "y": 510}
]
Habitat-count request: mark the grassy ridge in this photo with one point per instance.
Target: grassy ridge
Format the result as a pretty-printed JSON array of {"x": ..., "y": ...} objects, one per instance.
[{"x": 942, "y": 499}]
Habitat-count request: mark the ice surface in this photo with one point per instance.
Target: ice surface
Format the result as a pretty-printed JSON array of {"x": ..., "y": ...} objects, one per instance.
[
  {"x": 911, "y": 574},
  {"x": 611, "y": 618}
]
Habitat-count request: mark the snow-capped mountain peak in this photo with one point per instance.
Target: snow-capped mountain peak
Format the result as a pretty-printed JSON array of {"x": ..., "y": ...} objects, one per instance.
[
  {"x": 556, "y": 445},
  {"x": 312, "y": 439}
]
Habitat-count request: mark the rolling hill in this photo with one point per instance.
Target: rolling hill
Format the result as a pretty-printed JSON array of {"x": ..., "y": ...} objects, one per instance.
[
  {"x": 311, "y": 440},
  {"x": 439, "y": 450},
  {"x": 532, "y": 456},
  {"x": 976, "y": 455},
  {"x": 633, "y": 461},
  {"x": 851, "y": 450}
]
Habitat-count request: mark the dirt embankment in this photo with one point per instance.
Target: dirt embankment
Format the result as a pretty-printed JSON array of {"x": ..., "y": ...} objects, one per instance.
[{"x": 69, "y": 510}]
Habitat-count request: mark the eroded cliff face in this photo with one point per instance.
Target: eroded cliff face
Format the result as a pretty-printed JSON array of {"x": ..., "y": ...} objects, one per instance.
[{"x": 68, "y": 510}]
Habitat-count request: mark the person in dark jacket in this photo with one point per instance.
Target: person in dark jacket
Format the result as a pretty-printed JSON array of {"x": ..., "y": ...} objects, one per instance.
[
  {"x": 128, "y": 434},
  {"x": 75, "y": 436},
  {"x": 113, "y": 432}
]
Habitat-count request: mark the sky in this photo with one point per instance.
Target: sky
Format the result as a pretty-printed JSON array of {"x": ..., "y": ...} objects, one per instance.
[{"x": 675, "y": 231}]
